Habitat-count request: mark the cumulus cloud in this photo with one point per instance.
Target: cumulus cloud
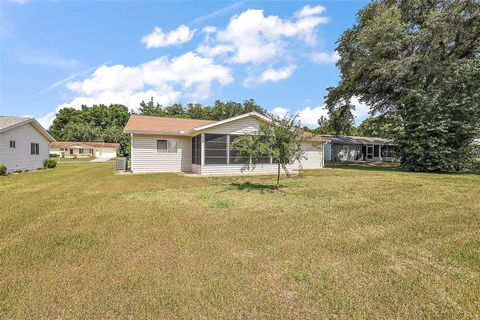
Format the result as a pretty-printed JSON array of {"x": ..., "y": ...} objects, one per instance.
[
  {"x": 158, "y": 38},
  {"x": 310, "y": 11},
  {"x": 325, "y": 57},
  {"x": 308, "y": 116},
  {"x": 164, "y": 79},
  {"x": 272, "y": 75},
  {"x": 252, "y": 37}
]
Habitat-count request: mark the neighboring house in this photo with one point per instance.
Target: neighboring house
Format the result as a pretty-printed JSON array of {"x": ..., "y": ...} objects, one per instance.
[
  {"x": 350, "y": 148},
  {"x": 68, "y": 149},
  {"x": 161, "y": 144},
  {"x": 23, "y": 143}
]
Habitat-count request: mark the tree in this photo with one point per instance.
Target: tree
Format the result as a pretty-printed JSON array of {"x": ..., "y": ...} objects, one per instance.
[
  {"x": 281, "y": 139},
  {"x": 381, "y": 127},
  {"x": 417, "y": 61},
  {"x": 81, "y": 132},
  {"x": 62, "y": 119},
  {"x": 340, "y": 122},
  {"x": 151, "y": 109}
]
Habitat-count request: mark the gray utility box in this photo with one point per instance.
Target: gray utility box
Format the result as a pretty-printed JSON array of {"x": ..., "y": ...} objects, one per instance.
[{"x": 121, "y": 164}]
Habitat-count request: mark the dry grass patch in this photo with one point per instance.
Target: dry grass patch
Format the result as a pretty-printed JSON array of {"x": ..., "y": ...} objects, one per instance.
[{"x": 82, "y": 242}]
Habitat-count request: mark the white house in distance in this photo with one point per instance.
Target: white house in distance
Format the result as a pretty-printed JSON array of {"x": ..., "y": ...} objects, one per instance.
[
  {"x": 69, "y": 149},
  {"x": 23, "y": 143},
  {"x": 161, "y": 144}
]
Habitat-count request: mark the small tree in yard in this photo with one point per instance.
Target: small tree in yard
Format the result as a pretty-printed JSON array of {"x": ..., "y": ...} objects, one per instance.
[{"x": 280, "y": 139}]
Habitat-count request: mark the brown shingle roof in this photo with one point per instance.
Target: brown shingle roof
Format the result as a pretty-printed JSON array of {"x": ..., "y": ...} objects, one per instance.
[
  {"x": 61, "y": 144},
  {"x": 163, "y": 124}
]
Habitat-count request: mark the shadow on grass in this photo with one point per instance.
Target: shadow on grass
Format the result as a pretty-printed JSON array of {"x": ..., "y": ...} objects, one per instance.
[
  {"x": 248, "y": 186},
  {"x": 368, "y": 166}
]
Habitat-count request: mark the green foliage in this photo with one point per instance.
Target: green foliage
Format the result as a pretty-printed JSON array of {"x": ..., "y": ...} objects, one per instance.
[
  {"x": 96, "y": 123},
  {"x": 50, "y": 163},
  {"x": 219, "y": 111},
  {"x": 280, "y": 139},
  {"x": 419, "y": 62},
  {"x": 381, "y": 127},
  {"x": 3, "y": 169}
]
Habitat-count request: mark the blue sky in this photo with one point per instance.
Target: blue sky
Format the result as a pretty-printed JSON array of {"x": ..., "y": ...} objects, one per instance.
[{"x": 281, "y": 53}]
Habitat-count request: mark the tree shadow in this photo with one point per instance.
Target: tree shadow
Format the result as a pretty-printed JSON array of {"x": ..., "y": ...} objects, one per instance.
[
  {"x": 367, "y": 166},
  {"x": 248, "y": 186}
]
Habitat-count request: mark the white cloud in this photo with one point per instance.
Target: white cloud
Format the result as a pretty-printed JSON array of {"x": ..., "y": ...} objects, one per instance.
[
  {"x": 310, "y": 11},
  {"x": 158, "y": 38},
  {"x": 252, "y": 37},
  {"x": 308, "y": 116},
  {"x": 361, "y": 111},
  {"x": 164, "y": 79},
  {"x": 279, "y": 111},
  {"x": 272, "y": 75},
  {"x": 325, "y": 57},
  {"x": 47, "y": 120}
]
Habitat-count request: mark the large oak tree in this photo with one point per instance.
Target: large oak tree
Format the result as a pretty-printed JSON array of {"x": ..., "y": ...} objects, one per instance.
[{"x": 417, "y": 61}]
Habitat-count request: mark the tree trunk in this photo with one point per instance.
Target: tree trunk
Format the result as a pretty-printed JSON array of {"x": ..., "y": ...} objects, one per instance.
[{"x": 278, "y": 176}]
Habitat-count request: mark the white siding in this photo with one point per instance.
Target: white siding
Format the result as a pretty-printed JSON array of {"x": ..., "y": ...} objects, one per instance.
[
  {"x": 145, "y": 157},
  {"x": 20, "y": 157},
  {"x": 241, "y": 126},
  {"x": 108, "y": 152},
  {"x": 313, "y": 156}
]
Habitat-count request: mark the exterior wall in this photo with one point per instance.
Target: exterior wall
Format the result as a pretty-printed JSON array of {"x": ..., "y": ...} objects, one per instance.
[
  {"x": 313, "y": 156},
  {"x": 327, "y": 151},
  {"x": 20, "y": 157},
  {"x": 241, "y": 126},
  {"x": 145, "y": 158}
]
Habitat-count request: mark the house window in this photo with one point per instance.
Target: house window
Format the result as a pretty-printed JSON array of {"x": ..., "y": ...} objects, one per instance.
[
  {"x": 12, "y": 144},
  {"x": 388, "y": 151},
  {"x": 376, "y": 151},
  {"x": 215, "y": 149},
  {"x": 71, "y": 151},
  {"x": 34, "y": 148},
  {"x": 197, "y": 149},
  {"x": 80, "y": 151},
  {"x": 167, "y": 146}
]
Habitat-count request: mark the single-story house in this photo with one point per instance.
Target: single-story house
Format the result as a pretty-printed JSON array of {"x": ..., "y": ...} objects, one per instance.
[
  {"x": 160, "y": 144},
  {"x": 69, "y": 149},
  {"x": 23, "y": 143},
  {"x": 351, "y": 148}
]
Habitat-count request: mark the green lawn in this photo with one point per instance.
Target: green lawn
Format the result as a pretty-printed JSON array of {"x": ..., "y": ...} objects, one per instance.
[{"x": 344, "y": 242}]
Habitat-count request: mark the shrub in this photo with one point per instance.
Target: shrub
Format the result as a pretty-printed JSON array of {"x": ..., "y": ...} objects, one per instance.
[
  {"x": 3, "y": 170},
  {"x": 50, "y": 163}
]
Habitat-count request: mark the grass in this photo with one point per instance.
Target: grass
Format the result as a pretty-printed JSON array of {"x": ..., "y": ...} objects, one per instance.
[{"x": 81, "y": 242}]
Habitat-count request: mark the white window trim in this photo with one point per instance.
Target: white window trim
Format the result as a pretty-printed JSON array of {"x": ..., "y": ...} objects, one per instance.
[{"x": 167, "y": 152}]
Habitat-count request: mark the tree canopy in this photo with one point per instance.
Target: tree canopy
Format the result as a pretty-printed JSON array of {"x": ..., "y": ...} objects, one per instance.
[{"x": 417, "y": 62}]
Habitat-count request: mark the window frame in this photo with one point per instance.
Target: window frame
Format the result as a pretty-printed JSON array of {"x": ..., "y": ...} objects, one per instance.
[
  {"x": 34, "y": 149},
  {"x": 168, "y": 146},
  {"x": 13, "y": 144}
]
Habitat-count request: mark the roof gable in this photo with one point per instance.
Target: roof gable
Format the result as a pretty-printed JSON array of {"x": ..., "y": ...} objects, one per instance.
[{"x": 9, "y": 123}]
